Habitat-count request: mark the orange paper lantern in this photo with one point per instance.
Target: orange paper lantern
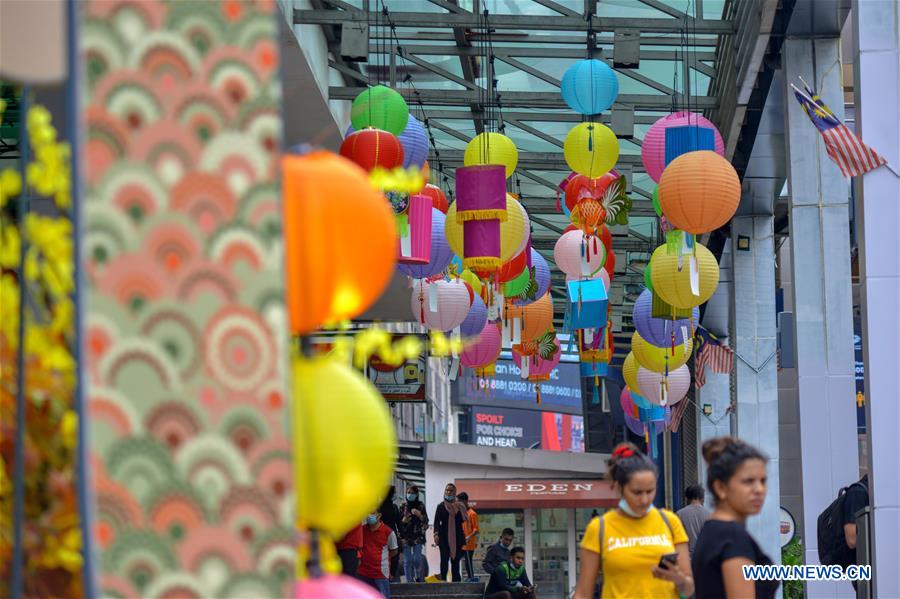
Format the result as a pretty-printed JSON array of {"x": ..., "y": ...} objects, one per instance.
[
  {"x": 333, "y": 274},
  {"x": 699, "y": 192},
  {"x": 536, "y": 317}
]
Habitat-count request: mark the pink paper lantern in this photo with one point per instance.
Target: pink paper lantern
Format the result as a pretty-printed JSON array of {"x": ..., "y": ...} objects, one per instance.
[
  {"x": 415, "y": 232},
  {"x": 484, "y": 350},
  {"x": 538, "y": 369},
  {"x": 653, "y": 147},
  {"x": 441, "y": 305},
  {"x": 628, "y": 406},
  {"x": 334, "y": 586},
  {"x": 651, "y": 384},
  {"x": 579, "y": 256}
]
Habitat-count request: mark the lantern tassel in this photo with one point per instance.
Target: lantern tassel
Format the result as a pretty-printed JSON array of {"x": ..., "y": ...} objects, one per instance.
[
  {"x": 595, "y": 246},
  {"x": 537, "y": 392},
  {"x": 558, "y": 202},
  {"x": 596, "y": 399}
]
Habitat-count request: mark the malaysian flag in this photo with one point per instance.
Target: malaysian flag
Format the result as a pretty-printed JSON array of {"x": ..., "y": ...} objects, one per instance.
[
  {"x": 713, "y": 353},
  {"x": 852, "y": 156}
]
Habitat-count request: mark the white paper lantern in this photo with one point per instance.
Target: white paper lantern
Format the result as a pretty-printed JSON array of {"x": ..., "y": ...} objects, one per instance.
[
  {"x": 651, "y": 385},
  {"x": 441, "y": 305}
]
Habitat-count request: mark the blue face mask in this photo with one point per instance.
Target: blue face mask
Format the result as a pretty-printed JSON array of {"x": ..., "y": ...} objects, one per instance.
[
  {"x": 371, "y": 519},
  {"x": 623, "y": 505},
  {"x": 412, "y": 497},
  {"x": 450, "y": 498}
]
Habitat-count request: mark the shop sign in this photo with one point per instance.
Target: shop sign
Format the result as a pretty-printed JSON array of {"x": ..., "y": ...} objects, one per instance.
[
  {"x": 536, "y": 493},
  {"x": 506, "y": 428}
]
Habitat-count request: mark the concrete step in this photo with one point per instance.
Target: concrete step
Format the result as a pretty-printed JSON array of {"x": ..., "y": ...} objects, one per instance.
[{"x": 444, "y": 590}]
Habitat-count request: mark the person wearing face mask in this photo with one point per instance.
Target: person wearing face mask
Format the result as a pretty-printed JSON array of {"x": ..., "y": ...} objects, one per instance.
[
  {"x": 379, "y": 546},
  {"x": 498, "y": 553},
  {"x": 413, "y": 524},
  {"x": 628, "y": 544},
  {"x": 736, "y": 477},
  {"x": 448, "y": 532}
]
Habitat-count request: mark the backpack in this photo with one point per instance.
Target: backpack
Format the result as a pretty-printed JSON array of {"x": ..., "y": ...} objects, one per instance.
[{"x": 830, "y": 531}]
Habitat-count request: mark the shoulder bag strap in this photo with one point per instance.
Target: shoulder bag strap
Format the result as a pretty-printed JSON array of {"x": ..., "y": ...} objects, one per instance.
[
  {"x": 668, "y": 524},
  {"x": 600, "y": 545}
]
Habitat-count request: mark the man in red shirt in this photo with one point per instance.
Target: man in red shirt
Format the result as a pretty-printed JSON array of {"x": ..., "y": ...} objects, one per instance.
[
  {"x": 348, "y": 550},
  {"x": 379, "y": 546}
]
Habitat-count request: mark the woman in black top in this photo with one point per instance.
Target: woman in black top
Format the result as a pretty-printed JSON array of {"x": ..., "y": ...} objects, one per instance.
[
  {"x": 448, "y": 531},
  {"x": 736, "y": 476}
]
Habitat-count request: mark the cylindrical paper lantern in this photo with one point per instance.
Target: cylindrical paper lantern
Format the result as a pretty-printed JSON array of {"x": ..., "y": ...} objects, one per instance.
[
  {"x": 475, "y": 319},
  {"x": 630, "y": 370},
  {"x": 658, "y": 359},
  {"x": 536, "y": 317},
  {"x": 380, "y": 107},
  {"x": 492, "y": 148},
  {"x": 653, "y": 147},
  {"x": 578, "y": 256},
  {"x": 441, "y": 305},
  {"x": 658, "y": 331},
  {"x": 332, "y": 276},
  {"x": 589, "y": 87},
  {"x": 371, "y": 148},
  {"x": 651, "y": 383},
  {"x": 591, "y": 149},
  {"x": 480, "y": 193},
  {"x": 415, "y": 240},
  {"x": 437, "y": 196},
  {"x": 699, "y": 192},
  {"x": 484, "y": 350},
  {"x": 439, "y": 256},
  {"x": 673, "y": 286},
  {"x": 474, "y": 244}
]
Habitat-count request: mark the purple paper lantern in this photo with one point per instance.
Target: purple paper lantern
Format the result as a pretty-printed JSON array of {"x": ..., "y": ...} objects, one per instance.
[
  {"x": 440, "y": 255},
  {"x": 658, "y": 331},
  {"x": 634, "y": 425},
  {"x": 475, "y": 320},
  {"x": 541, "y": 276}
]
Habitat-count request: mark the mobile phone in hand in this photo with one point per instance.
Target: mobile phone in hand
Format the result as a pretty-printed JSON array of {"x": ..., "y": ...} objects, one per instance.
[{"x": 671, "y": 558}]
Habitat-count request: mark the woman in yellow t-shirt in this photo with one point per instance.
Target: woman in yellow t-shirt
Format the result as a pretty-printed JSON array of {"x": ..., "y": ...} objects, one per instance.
[{"x": 628, "y": 542}]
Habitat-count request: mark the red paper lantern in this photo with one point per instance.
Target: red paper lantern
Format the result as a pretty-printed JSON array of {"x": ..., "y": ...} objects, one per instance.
[
  {"x": 371, "y": 148},
  {"x": 437, "y": 197}
]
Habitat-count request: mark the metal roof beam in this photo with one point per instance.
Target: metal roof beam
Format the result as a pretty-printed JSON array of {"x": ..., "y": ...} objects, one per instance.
[
  {"x": 424, "y": 20},
  {"x": 546, "y": 161},
  {"x": 538, "y": 117},
  {"x": 523, "y": 99},
  {"x": 539, "y": 39},
  {"x": 536, "y": 52}
]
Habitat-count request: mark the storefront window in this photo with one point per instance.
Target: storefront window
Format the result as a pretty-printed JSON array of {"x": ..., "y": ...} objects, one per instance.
[
  {"x": 550, "y": 552},
  {"x": 492, "y": 524}
]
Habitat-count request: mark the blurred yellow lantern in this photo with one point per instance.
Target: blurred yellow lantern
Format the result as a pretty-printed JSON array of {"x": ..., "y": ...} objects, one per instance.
[
  {"x": 513, "y": 232},
  {"x": 344, "y": 446},
  {"x": 492, "y": 148},
  {"x": 630, "y": 370},
  {"x": 591, "y": 149},
  {"x": 656, "y": 358},
  {"x": 673, "y": 285}
]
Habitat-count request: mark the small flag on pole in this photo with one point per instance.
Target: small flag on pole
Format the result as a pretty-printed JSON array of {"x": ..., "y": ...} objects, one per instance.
[
  {"x": 852, "y": 156},
  {"x": 713, "y": 353}
]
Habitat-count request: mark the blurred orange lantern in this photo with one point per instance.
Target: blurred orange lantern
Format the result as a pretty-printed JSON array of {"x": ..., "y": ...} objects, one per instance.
[
  {"x": 699, "y": 192},
  {"x": 333, "y": 275},
  {"x": 437, "y": 197},
  {"x": 370, "y": 148},
  {"x": 536, "y": 318}
]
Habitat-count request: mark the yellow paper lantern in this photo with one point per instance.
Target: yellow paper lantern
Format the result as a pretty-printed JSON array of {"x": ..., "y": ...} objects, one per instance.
[
  {"x": 591, "y": 149},
  {"x": 344, "y": 445},
  {"x": 673, "y": 286},
  {"x": 655, "y": 358},
  {"x": 472, "y": 279},
  {"x": 492, "y": 148},
  {"x": 630, "y": 370},
  {"x": 513, "y": 231}
]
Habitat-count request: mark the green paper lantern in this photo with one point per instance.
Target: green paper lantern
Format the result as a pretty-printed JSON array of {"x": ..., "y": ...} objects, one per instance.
[
  {"x": 648, "y": 282},
  {"x": 656, "y": 206},
  {"x": 517, "y": 286},
  {"x": 380, "y": 107}
]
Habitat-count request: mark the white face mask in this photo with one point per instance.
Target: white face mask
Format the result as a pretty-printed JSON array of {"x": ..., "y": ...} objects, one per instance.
[{"x": 623, "y": 505}]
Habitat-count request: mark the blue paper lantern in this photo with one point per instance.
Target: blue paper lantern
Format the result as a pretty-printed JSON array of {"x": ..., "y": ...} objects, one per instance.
[
  {"x": 587, "y": 305},
  {"x": 589, "y": 87},
  {"x": 414, "y": 140},
  {"x": 658, "y": 331}
]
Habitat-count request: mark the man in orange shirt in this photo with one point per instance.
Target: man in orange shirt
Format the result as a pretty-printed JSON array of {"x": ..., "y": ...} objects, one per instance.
[{"x": 471, "y": 530}]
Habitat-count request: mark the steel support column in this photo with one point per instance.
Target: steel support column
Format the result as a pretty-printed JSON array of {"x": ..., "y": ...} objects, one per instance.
[
  {"x": 820, "y": 247},
  {"x": 876, "y": 33},
  {"x": 753, "y": 258}
]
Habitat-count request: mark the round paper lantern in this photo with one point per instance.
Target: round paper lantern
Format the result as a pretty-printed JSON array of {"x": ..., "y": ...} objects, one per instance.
[
  {"x": 673, "y": 286},
  {"x": 634, "y": 425},
  {"x": 327, "y": 279},
  {"x": 655, "y": 200},
  {"x": 648, "y": 277},
  {"x": 651, "y": 385},
  {"x": 630, "y": 370},
  {"x": 371, "y": 148},
  {"x": 627, "y": 404},
  {"x": 475, "y": 319},
  {"x": 658, "y": 331},
  {"x": 437, "y": 197},
  {"x": 492, "y": 148},
  {"x": 541, "y": 277},
  {"x": 340, "y": 472},
  {"x": 414, "y": 140},
  {"x": 699, "y": 192},
  {"x": 473, "y": 281},
  {"x": 513, "y": 232},
  {"x": 518, "y": 285},
  {"x": 450, "y": 301},
  {"x": 591, "y": 149},
  {"x": 578, "y": 256},
  {"x": 589, "y": 87},
  {"x": 380, "y": 107},
  {"x": 514, "y": 267},
  {"x": 440, "y": 251},
  {"x": 484, "y": 350},
  {"x": 332, "y": 585},
  {"x": 658, "y": 359},
  {"x": 536, "y": 317},
  {"x": 653, "y": 147}
]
